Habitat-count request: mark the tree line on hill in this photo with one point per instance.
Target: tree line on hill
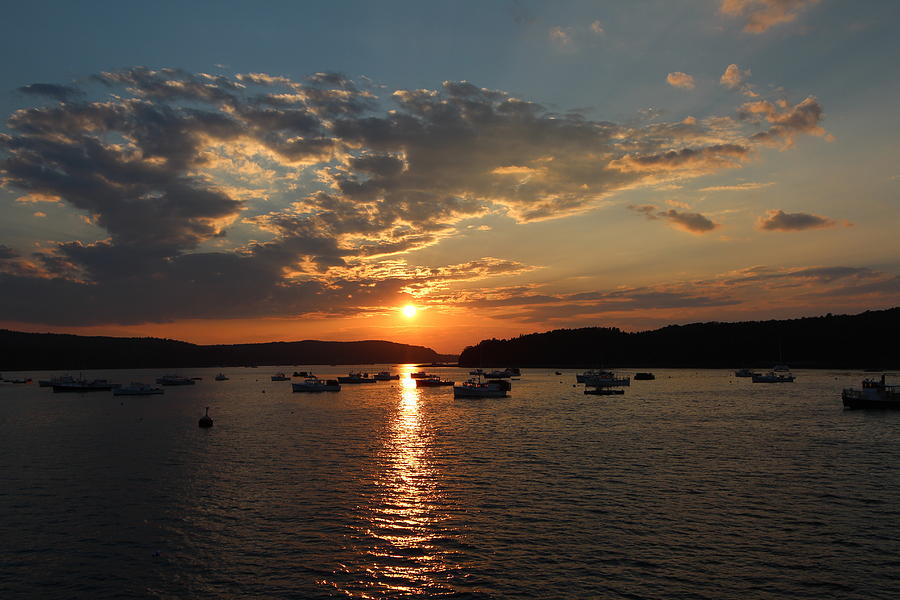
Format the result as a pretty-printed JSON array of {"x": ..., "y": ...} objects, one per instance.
[
  {"x": 21, "y": 351},
  {"x": 866, "y": 340}
]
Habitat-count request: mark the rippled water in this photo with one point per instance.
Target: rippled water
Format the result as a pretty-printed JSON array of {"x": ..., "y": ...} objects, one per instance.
[{"x": 695, "y": 485}]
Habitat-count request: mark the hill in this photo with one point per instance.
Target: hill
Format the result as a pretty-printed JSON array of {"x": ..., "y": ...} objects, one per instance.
[
  {"x": 21, "y": 351},
  {"x": 866, "y": 340}
]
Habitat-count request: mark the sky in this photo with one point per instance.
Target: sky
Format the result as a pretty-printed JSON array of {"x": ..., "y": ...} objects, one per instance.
[{"x": 225, "y": 172}]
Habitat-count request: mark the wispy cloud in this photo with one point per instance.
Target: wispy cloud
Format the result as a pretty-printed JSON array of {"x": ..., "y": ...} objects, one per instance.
[
  {"x": 778, "y": 220},
  {"x": 760, "y": 15}
]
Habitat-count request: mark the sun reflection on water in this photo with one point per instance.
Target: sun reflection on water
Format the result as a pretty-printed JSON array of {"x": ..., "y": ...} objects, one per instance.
[{"x": 401, "y": 523}]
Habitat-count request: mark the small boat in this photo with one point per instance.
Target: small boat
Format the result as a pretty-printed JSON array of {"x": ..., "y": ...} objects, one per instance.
[
  {"x": 744, "y": 373},
  {"x": 558, "y": 373},
  {"x": 385, "y": 376},
  {"x": 476, "y": 372},
  {"x": 504, "y": 374},
  {"x": 595, "y": 378},
  {"x": 773, "y": 377},
  {"x": 314, "y": 384},
  {"x": 205, "y": 421},
  {"x": 874, "y": 394},
  {"x": 644, "y": 376},
  {"x": 175, "y": 380},
  {"x": 280, "y": 377},
  {"x": 781, "y": 369},
  {"x": 419, "y": 375},
  {"x": 604, "y": 391},
  {"x": 221, "y": 377},
  {"x": 303, "y": 374},
  {"x": 478, "y": 388},
  {"x": 19, "y": 380},
  {"x": 136, "y": 388},
  {"x": 83, "y": 385},
  {"x": 432, "y": 381},
  {"x": 356, "y": 378}
]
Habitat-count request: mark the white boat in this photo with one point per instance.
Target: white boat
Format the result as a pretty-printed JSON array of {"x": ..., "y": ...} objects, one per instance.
[
  {"x": 136, "y": 388},
  {"x": 478, "y": 388},
  {"x": 55, "y": 380},
  {"x": 385, "y": 376},
  {"x": 773, "y": 377},
  {"x": 874, "y": 394},
  {"x": 596, "y": 378},
  {"x": 314, "y": 384},
  {"x": 174, "y": 380},
  {"x": 221, "y": 377}
]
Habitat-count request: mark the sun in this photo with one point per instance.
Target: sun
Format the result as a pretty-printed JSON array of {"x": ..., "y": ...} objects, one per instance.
[{"x": 409, "y": 311}]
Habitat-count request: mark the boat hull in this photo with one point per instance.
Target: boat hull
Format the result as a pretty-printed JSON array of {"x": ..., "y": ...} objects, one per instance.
[
  {"x": 463, "y": 392},
  {"x": 604, "y": 392}
]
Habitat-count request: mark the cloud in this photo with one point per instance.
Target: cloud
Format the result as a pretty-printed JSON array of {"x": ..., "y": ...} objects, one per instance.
[
  {"x": 322, "y": 181},
  {"x": 597, "y": 28},
  {"x": 786, "y": 121},
  {"x": 561, "y": 35},
  {"x": 760, "y": 15},
  {"x": 736, "y": 79},
  {"x": 680, "y": 80},
  {"x": 6, "y": 252},
  {"x": 686, "y": 221},
  {"x": 63, "y": 93},
  {"x": 738, "y": 187},
  {"x": 778, "y": 220}
]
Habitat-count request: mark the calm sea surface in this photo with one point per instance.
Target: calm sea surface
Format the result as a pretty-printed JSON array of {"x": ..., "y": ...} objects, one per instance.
[{"x": 695, "y": 485}]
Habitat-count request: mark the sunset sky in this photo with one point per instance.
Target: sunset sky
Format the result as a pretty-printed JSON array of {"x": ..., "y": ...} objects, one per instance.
[{"x": 232, "y": 171}]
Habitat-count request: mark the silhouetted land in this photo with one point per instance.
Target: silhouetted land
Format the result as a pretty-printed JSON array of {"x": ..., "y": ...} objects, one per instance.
[
  {"x": 32, "y": 351},
  {"x": 867, "y": 340}
]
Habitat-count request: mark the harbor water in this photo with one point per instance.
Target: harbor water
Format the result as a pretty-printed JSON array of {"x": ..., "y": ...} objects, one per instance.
[{"x": 694, "y": 485}]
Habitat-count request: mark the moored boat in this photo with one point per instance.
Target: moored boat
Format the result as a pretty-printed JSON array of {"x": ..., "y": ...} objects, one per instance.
[
  {"x": 314, "y": 384},
  {"x": 595, "y": 378},
  {"x": 280, "y": 377},
  {"x": 419, "y": 375},
  {"x": 744, "y": 373},
  {"x": 175, "y": 380},
  {"x": 874, "y": 394},
  {"x": 83, "y": 385},
  {"x": 356, "y": 378},
  {"x": 644, "y": 376},
  {"x": 773, "y": 377},
  {"x": 136, "y": 388},
  {"x": 497, "y": 374},
  {"x": 604, "y": 391},
  {"x": 303, "y": 374},
  {"x": 385, "y": 376},
  {"x": 478, "y": 388},
  {"x": 221, "y": 377},
  {"x": 433, "y": 381}
]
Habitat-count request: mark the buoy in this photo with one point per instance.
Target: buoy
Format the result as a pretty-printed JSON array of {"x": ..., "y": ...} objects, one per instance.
[{"x": 205, "y": 420}]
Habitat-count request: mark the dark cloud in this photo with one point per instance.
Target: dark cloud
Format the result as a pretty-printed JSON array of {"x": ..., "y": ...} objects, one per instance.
[
  {"x": 63, "y": 93},
  {"x": 7, "y": 252},
  {"x": 687, "y": 221},
  {"x": 154, "y": 165},
  {"x": 778, "y": 220}
]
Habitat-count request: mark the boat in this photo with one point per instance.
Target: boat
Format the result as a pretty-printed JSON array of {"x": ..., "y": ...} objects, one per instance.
[
  {"x": 175, "y": 380},
  {"x": 604, "y": 391},
  {"x": 221, "y": 377},
  {"x": 205, "y": 421},
  {"x": 432, "y": 381},
  {"x": 356, "y": 378},
  {"x": 419, "y": 375},
  {"x": 476, "y": 372},
  {"x": 18, "y": 380},
  {"x": 280, "y": 377},
  {"x": 83, "y": 385},
  {"x": 644, "y": 376},
  {"x": 136, "y": 388},
  {"x": 596, "y": 378},
  {"x": 314, "y": 384},
  {"x": 781, "y": 369},
  {"x": 504, "y": 374},
  {"x": 773, "y": 377},
  {"x": 744, "y": 373},
  {"x": 303, "y": 374},
  {"x": 874, "y": 394},
  {"x": 478, "y": 388},
  {"x": 385, "y": 376}
]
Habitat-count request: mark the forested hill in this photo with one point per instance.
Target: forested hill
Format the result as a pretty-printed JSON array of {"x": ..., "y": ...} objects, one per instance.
[
  {"x": 867, "y": 340},
  {"x": 27, "y": 351}
]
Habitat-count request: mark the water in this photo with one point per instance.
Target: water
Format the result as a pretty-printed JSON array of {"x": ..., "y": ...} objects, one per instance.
[{"x": 695, "y": 485}]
